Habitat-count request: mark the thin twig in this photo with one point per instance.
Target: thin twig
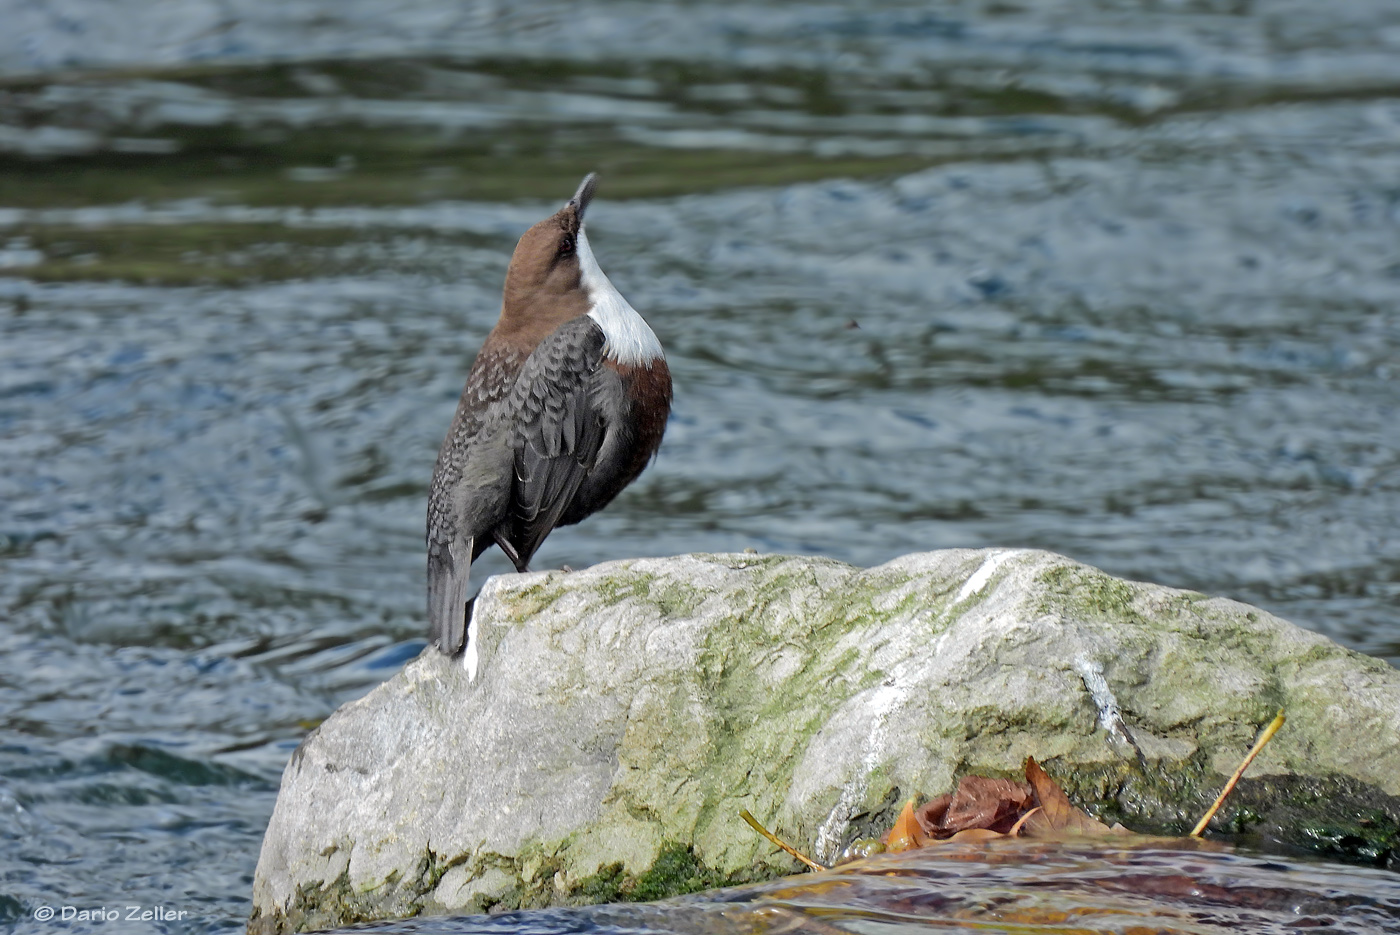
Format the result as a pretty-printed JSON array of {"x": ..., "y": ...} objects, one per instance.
[
  {"x": 753, "y": 823},
  {"x": 1264, "y": 738},
  {"x": 1021, "y": 822}
]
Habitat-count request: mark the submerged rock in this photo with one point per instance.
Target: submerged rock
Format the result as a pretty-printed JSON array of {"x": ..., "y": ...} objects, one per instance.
[{"x": 618, "y": 718}]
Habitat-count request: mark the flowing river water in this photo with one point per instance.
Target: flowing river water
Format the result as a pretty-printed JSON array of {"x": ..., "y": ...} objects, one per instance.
[
  {"x": 1009, "y": 889},
  {"x": 1120, "y": 280}
]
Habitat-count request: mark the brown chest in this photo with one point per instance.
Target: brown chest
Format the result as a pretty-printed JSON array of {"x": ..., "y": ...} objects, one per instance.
[{"x": 648, "y": 390}]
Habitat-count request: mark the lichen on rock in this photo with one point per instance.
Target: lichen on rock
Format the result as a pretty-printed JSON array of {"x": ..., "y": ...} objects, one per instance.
[{"x": 621, "y": 716}]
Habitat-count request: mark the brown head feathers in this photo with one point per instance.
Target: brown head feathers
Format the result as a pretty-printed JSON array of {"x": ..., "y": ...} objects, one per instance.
[{"x": 543, "y": 283}]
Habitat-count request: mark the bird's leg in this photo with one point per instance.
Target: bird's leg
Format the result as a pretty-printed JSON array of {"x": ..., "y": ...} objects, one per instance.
[{"x": 511, "y": 554}]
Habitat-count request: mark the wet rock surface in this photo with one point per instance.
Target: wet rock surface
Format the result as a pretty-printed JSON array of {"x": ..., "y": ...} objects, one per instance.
[{"x": 618, "y": 718}]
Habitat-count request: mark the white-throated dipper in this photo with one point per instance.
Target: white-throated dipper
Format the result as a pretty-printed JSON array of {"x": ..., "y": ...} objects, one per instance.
[{"x": 564, "y": 406}]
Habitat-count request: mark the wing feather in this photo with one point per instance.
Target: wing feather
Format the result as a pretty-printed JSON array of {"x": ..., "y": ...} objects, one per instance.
[
  {"x": 565, "y": 418},
  {"x": 452, "y": 541}
]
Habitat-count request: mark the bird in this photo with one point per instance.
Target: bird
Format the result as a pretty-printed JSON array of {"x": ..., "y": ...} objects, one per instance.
[{"x": 564, "y": 406}]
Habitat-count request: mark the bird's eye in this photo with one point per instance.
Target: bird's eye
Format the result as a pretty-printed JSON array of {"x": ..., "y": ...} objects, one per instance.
[{"x": 566, "y": 245}]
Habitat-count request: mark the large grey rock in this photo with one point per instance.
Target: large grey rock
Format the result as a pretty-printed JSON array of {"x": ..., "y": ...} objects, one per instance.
[{"x": 620, "y": 717}]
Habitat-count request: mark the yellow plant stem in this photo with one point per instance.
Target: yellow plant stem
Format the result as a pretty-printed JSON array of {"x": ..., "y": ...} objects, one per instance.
[
  {"x": 1264, "y": 738},
  {"x": 753, "y": 823}
]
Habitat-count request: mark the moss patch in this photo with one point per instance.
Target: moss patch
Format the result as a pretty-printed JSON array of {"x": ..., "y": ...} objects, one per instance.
[
  {"x": 1089, "y": 593},
  {"x": 1334, "y": 816},
  {"x": 629, "y": 584},
  {"x": 524, "y": 603},
  {"x": 676, "y": 872}
]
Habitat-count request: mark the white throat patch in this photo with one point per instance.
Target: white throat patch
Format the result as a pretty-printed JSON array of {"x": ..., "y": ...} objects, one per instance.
[{"x": 629, "y": 339}]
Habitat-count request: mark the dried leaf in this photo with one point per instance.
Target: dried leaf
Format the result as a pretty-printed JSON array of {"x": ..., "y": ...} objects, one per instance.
[
  {"x": 986, "y": 809},
  {"x": 978, "y": 802},
  {"x": 1057, "y": 817},
  {"x": 906, "y": 833},
  {"x": 977, "y": 834}
]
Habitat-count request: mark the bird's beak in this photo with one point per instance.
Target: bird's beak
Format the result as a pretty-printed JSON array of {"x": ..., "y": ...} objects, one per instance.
[{"x": 584, "y": 194}]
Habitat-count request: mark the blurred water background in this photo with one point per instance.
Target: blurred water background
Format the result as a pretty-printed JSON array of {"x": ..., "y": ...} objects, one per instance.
[{"x": 1117, "y": 279}]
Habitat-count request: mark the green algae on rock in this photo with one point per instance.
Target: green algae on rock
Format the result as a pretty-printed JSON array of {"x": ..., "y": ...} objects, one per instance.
[{"x": 621, "y": 716}]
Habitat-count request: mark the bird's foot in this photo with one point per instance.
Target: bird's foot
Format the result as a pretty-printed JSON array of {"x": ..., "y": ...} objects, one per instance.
[{"x": 510, "y": 551}]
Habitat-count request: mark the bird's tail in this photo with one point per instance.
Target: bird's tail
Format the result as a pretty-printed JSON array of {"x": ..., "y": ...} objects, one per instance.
[{"x": 449, "y": 573}]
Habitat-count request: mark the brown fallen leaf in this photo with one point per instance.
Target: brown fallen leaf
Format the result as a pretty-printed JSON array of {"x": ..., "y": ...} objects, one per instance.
[
  {"x": 978, "y": 802},
  {"x": 977, "y": 834},
  {"x": 906, "y": 833},
  {"x": 1057, "y": 816},
  {"x": 985, "y": 809}
]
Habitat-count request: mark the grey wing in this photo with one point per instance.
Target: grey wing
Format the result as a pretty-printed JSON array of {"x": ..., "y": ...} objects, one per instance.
[
  {"x": 453, "y": 537},
  {"x": 570, "y": 405}
]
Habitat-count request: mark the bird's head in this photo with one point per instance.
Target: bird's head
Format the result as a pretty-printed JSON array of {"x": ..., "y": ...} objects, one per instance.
[{"x": 544, "y": 282}]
